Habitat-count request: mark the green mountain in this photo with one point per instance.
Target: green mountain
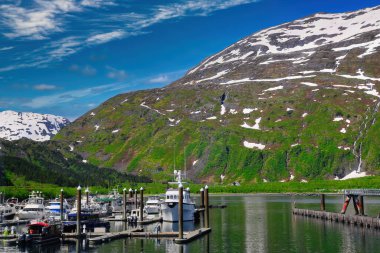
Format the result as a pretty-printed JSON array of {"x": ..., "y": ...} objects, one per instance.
[{"x": 293, "y": 102}]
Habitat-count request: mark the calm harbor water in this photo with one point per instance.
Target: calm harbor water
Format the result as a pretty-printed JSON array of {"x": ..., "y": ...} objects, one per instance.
[{"x": 252, "y": 223}]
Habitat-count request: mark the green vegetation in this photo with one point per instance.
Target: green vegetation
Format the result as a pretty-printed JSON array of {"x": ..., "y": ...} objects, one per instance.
[
  {"x": 314, "y": 186},
  {"x": 171, "y": 129}
]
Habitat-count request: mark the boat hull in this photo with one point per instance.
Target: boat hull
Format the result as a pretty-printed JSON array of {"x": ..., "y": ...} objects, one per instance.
[
  {"x": 169, "y": 211},
  {"x": 30, "y": 215}
]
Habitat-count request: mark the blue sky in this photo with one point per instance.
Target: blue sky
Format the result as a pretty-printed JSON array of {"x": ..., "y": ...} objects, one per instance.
[{"x": 65, "y": 57}]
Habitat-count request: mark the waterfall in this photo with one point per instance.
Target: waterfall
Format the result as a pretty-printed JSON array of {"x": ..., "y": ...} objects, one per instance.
[{"x": 370, "y": 117}]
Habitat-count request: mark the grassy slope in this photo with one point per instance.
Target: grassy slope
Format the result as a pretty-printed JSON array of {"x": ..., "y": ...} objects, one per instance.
[{"x": 147, "y": 145}]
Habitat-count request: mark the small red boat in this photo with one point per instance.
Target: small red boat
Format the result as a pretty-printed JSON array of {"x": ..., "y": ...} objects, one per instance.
[{"x": 41, "y": 233}]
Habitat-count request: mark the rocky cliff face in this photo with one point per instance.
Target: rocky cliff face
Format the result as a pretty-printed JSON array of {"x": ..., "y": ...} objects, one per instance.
[
  {"x": 34, "y": 126},
  {"x": 292, "y": 102}
]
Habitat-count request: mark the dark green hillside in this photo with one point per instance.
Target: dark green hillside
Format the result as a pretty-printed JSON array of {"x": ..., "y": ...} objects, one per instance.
[{"x": 44, "y": 163}]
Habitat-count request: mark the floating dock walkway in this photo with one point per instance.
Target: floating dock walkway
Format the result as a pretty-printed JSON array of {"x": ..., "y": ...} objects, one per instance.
[{"x": 363, "y": 221}]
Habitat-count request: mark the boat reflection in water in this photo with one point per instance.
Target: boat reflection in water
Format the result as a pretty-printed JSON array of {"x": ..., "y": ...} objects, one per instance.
[{"x": 173, "y": 226}]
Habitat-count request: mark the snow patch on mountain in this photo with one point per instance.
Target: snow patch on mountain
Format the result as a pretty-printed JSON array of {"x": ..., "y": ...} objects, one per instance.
[{"x": 34, "y": 126}]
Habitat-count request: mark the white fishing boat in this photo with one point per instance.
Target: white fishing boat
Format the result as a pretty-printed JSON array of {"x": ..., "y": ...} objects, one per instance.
[
  {"x": 54, "y": 209},
  {"x": 34, "y": 208},
  {"x": 7, "y": 211},
  {"x": 153, "y": 205},
  {"x": 169, "y": 208}
]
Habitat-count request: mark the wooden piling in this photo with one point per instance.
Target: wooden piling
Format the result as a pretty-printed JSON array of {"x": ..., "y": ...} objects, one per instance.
[
  {"x": 79, "y": 198},
  {"x": 61, "y": 204},
  {"x": 124, "y": 204},
  {"x": 180, "y": 211},
  {"x": 141, "y": 204},
  {"x": 202, "y": 198},
  {"x": 1, "y": 198},
  {"x": 87, "y": 195},
  {"x": 130, "y": 193},
  {"x": 361, "y": 201},
  {"x": 135, "y": 198},
  {"x": 207, "y": 224},
  {"x": 323, "y": 206}
]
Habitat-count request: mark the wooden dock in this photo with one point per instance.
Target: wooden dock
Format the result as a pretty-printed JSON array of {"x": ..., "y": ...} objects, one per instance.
[
  {"x": 188, "y": 237},
  {"x": 13, "y": 222},
  {"x": 106, "y": 237},
  {"x": 358, "y": 220}
]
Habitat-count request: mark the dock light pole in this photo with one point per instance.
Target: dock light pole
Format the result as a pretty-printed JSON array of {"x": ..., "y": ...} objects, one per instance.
[
  {"x": 202, "y": 191},
  {"x": 130, "y": 192},
  {"x": 180, "y": 211},
  {"x": 87, "y": 194},
  {"x": 61, "y": 204},
  {"x": 141, "y": 203},
  {"x": 207, "y": 224},
  {"x": 79, "y": 198},
  {"x": 135, "y": 198},
  {"x": 124, "y": 203}
]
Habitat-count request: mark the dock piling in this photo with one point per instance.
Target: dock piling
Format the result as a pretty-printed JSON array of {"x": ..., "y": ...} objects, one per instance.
[
  {"x": 180, "y": 211},
  {"x": 87, "y": 195},
  {"x": 141, "y": 204},
  {"x": 361, "y": 201},
  {"x": 323, "y": 205},
  {"x": 130, "y": 193},
  {"x": 202, "y": 197},
  {"x": 207, "y": 225},
  {"x": 79, "y": 197},
  {"x": 61, "y": 204},
  {"x": 125, "y": 203},
  {"x": 136, "y": 198}
]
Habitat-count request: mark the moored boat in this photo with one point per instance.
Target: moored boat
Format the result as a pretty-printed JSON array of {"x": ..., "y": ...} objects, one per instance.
[
  {"x": 153, "y": 205},
  {"x": 41, "y": 233},
  {"x": 34, "y": 208},
  {"x": 169, "y": 208}
]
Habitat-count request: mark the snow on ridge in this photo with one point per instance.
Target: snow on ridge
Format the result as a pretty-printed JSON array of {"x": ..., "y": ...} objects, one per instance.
[
  {"x": 354, "y": 174},
  {"x": 309, "y": 84},
  {"x": 249, "y": 110},
  {"x": 274, "y": 88},
  {"x": 302, "y": 35},
  {"x": 34, "y": 126},
  {"x": 255, "y": 127},
  {"x": 217, "y": 75},
  {"x": 244, "y": 80},
  {"x": 222, "y": 110},
  {"x": 338, "y": 119},
  {"x": 253, "y": 145}
]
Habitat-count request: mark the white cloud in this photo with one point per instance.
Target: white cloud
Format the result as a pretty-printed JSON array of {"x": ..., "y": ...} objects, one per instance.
[
  {"x": 117, "y": 74},
  {"x": 44, "y": 87},
  {"x": 159, "y": 79},
  {"x": 36, "y": 21},
  {"x": 86, "y": 70},
  {"x": 39, "y": 19},
  {"x": 105, "y": 37},
  {"x": 96, "y": 3},
  {"x": 6, "y": 48},
  {"x": 65, "y": 97}
]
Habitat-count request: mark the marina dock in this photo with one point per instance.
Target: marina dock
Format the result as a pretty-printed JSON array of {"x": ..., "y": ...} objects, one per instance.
[
  {"x": 362, "y": 221},
  {"x": 358, "y": 219}
]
